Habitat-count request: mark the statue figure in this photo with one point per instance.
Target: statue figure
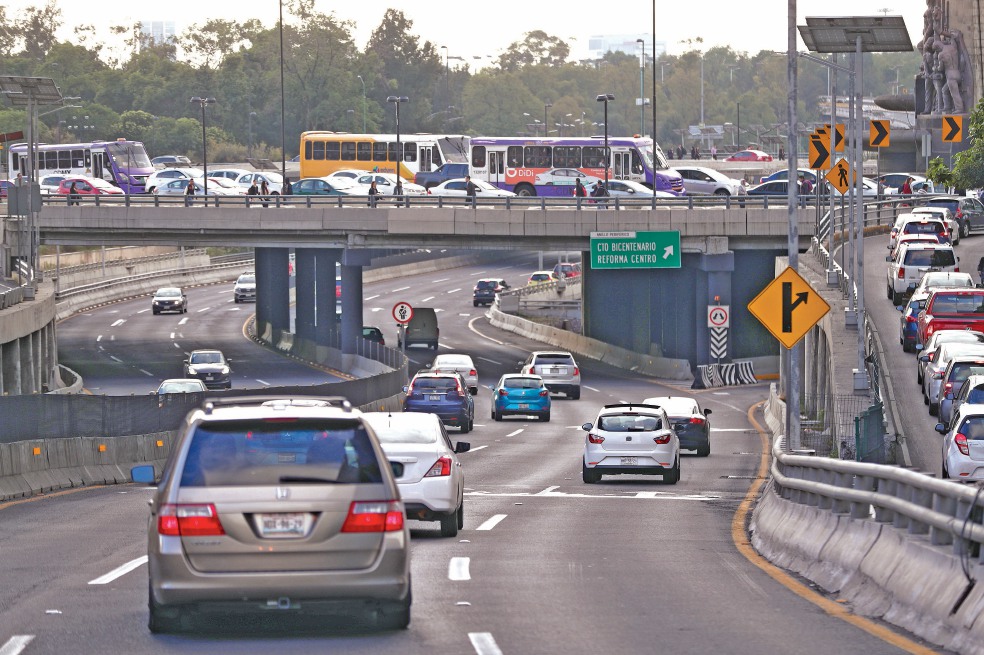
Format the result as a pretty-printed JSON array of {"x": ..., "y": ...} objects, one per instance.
[
  {"x": 926, "y": 74},
  {"x": 948, "y": 55},
  {"x": 937, "y": 77},
  {"x": 966, "y": 72}
]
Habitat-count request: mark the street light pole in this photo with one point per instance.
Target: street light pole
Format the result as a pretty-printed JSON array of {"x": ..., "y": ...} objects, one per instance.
[
  {"x": 642, "y": 89},
  {"x": 545, "y": 107},
  {"x": 203, "y": 102},
  {"x": 447, "y": 76},
  {"x": 399, "y": 149},
  {"x": 606, "y": 98},
  {"x": 283, "y": 119},
  {"x": 363, "y": 103},
  {"x": 249, "y": 125},
  {"x": 654, "y": 74}
]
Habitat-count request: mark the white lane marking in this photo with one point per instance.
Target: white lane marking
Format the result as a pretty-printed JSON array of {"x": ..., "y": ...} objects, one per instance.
[
  {"x": 484, "y": 643},
  {"x": 116, "y": 359},
  {"x": 454, "y": 290},
  {"x": 203, "y": 309},
  {"x": 118, "y": 322},
  {"x": 143, "y": 311},
  {"x": 428, "y": 299},
  {"x": 514, "y": 433},
  {"x": 437, "y": 309},
  {"x": 492, "y": 522},
  {"x": 112, "y": 337},
  {"x": 370, "y": 297},
  {"x": 16, "y": 644},
  {"x": 263, "y": 382},
  {"x": 490, "y": 361},
  {"x": 732, "y": 430},
  {"x": 592, "y": 389},
  {"x": 400, "y": 289},
  {"x": 633, "y": 495},
  {"x": 720, "y": 393},
  {"x": 176, "y": 345},
  {"x": 443, "y": 279},
  {"x": 183, "y": 321},
  {"x": 547, "y": 491},
  {"x": 147, "y": 373},
  {"x": 99, "y": 338},
  {"x": 171, "y": 336},
  {"x": 458, "y": 569},
  {"x": 120, "y": 571},
  {"x": 471, "y": 450},
  {"x": 376, "y": 309},
  {"x": 234, "y": 309}
]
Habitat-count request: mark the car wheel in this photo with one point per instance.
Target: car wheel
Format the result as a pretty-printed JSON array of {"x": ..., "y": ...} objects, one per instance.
[
  {"x": 236, "y": 300},
  {"x": 934, "y": 409},
  {"x": 474, "y": 303},
  {"x": 721, "y": 192},
  {"x": 156, "y": 312},
  {"x": 461, "y": 514},
  {"x": 163, "y": 619},
  {"x": 449, "y": 525},
  {"x": 545, "y": 417},
  {"x": 590, "y": 476},
  {"x": 465, "y": 426},
  {"x": 525, "y": 190},
  {"x": 945, "y": 473},
  {"x": 704, "y": 450},
  {"x": 395, "y": 616},
  {"x": 965, "y": 229},
  {"x": 575, "y": 395},
  {"x": 673, "y": 475},
  {"x": 907, "y": 347}
]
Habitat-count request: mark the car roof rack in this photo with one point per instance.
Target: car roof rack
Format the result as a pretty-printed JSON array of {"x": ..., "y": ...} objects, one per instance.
[{"x": 281, "y": 401}]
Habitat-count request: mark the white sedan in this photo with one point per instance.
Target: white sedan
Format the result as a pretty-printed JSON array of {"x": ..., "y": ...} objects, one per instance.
[
  {"x": 700, "y": 180},
  {"x": 385, "y": 184},
  {"x": 179, "y": 186},
  {"x": 564, "y": 177},
  {"x": 456, "y": 363},
  {"x": 629, "y": 438},
  {"x": 456, "y": 189},
  {"x": 631, "y": 189},
  {"x": 431, "y": 484}
]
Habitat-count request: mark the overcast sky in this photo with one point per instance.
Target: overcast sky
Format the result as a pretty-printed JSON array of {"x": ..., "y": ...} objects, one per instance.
[{"x": 472, "y": 29}]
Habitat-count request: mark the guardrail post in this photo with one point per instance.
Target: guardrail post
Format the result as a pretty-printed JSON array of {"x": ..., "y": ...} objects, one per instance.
[
  {"x": 943, "y": 505},
  {"x": 843, "y": 480},
  {"x": 862, "y": 510},
  {"x": 825, "y": 477},
  {"x": 882, "y": 515},
  {"x": 922, "y": 498},
  {"x": 904, "y": 492}
]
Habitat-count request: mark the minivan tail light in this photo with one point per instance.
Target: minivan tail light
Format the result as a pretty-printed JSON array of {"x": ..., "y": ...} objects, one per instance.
[
  {"x": 532, "y": 370},
  {"x": 441, "y": 468},
  {"x": 901, "y": 272},
  {"x": 576, "y": 371},
  {"x": 189, "y": 521},
  {"x": 374, "y": 516},
  {"x": 595, "y": 438},
  {"x": 961, "y": 442}
]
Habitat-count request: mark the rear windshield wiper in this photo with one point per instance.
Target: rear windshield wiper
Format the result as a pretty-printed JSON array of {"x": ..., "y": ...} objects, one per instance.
[{"x": 284, "y": 479}]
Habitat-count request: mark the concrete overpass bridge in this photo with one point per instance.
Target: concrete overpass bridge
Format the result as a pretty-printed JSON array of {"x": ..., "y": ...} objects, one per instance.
[{"x": 727, "y": 257}]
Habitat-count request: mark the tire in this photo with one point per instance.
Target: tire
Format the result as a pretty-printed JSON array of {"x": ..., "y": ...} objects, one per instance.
[
  {"x": 934, "y": 409},
  {"x": 945, "y": 473},
  {"x": 496, "y": 416},
  {"x": 236, "y": 300},
  {"x": 545, "y": 418},
  {"x": 896, "y": 298},
  {"x": 449, "y": 525},
  {"x": 475, "y": 303},
  {"x": 673, "y": 475},
  {"x": 589, "y": 476},
  {"x": 156, "y": 312},
  {"x": 162, "y": 619},
  {"x": 705, "y": 450},
  {"x": 965, "y": 229},
  {"x": 396, "y": 616},
  {"x": 889, "y": 295},
  {"x": 906, "y": 348},
  {"x": 525, "y": 190},
  {"x": 575, "y": 395},
  {"x": 466, "y": 426},
  {"x": 461, "y": 514},
  {"x": 721, "y": 192}
]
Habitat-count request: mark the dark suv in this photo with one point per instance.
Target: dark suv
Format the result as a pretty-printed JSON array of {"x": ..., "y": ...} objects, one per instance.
[
  {"x": 444, "y": 394},
  {"x": 968, "y": 212},
  {"x": 485, "y": 290}
]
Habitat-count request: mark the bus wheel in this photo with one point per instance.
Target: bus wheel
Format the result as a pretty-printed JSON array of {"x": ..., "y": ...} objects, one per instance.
[{"x": 525, "y": 190}]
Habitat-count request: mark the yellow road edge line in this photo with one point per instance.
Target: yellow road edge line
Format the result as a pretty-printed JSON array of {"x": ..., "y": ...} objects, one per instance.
[
  {"x": 740, "y": 537},
  {"x": 54, "y": 494}
]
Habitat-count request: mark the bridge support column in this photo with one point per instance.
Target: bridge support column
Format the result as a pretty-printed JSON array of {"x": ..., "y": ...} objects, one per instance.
[
  {"x": 718, "y": 269},
  {"x": 352, "y": 263},
  {"x": 326, "y": 318},
  {"x": 11, "y": 367},
  {"x": 306, "y": 281},
  {"x": 272, "y": 293}
]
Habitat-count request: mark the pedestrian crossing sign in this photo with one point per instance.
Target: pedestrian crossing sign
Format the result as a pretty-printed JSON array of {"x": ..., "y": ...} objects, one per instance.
[{"x": 841, "y": 176}]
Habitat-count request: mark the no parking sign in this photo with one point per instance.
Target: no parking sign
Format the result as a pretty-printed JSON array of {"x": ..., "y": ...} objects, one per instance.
[{"x": 402, "y": 312}]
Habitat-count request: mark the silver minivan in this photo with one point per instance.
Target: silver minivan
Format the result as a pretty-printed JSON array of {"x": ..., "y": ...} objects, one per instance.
[
  {"x": 558, "y": 369},
  {"x": 283, "y": 505}
]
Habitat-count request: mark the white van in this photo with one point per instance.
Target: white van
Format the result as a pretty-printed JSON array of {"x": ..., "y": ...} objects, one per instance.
[
  {"x": 913, "y": 259},
  {"x": 422, "y": 329}
]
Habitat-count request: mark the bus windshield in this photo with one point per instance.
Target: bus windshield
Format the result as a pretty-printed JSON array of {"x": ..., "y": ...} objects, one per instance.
[{"x": 130, "y": 155}]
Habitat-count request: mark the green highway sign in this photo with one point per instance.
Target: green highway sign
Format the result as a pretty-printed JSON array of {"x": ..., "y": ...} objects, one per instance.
[{"x": 635, "y": 250}]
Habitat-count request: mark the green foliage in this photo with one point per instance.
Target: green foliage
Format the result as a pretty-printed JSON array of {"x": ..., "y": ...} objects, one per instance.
[
  {"x": 968, "y": 166},
  {"x": 939, "y": 173}
]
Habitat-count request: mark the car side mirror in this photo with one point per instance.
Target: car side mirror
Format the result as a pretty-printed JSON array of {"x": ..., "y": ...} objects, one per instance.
[
  {"x": 888, "y": 259},
  {"x": 899, "y": 307},
  {"x": 924, "y": 358},
  {"x": 143, "y": 474},
  {"x": 405, "y": 388},
  {"x": 397, "y": 468},
  {"x": 462, "y": 447},
  {"x": 940, "y": 428},
  {"x": 587, "y": 427},
  {"x": 707, "y": 412}
]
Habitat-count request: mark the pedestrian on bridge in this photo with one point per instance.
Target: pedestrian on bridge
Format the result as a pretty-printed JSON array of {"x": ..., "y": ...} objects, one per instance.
[
  {"x": 471, "y": 189},
  {"x": 253, "y": 190},
  {"x": 373, "y": 192},
  {"x": 265, "y": 192},
  {"x": 190, "y": 193}
]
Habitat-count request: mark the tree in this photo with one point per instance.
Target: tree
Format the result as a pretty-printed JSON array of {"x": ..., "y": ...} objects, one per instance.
[
  {"x": 537, "y": 48},
  {"x": 37, "y": 30},
  {"x": 968, "y": 166}
]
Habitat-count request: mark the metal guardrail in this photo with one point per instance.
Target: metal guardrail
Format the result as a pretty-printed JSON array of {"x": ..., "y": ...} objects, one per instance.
[
  {"x": 11, "y": 297},
  {"x": 131, "y": 279},
  {"x": 135, "y": 261},
  {"x": 517, "y": 202}
]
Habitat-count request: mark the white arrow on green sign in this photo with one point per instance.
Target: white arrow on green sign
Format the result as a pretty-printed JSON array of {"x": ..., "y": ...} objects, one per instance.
[{"x": 635, "y": 250}]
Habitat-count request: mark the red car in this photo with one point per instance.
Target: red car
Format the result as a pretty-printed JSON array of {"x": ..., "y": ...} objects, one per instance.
[
  {"x": 750, "y": 155},
  {"x": 951, "y": 309},
  {"x": 4, "y": 185},
  {"x": 88, "y": 186}
]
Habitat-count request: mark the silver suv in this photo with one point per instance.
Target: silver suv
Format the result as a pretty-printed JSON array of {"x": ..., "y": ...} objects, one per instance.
[
  {"x": 558, "y": 370},
  {"x": 283, "y": 504},
  {"x": 245, "y": 288}
]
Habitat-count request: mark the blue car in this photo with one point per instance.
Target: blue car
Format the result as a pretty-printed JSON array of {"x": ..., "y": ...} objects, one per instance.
[
  {"x": 909, "y": 321},
  {"x": 444, "y": 394},
  {"x": 783, "y": 173},
  {"x": 520, "y": 394}
]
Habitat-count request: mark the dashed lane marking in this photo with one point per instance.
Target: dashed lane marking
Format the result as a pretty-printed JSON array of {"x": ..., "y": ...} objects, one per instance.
[
  {"x": 484, "y": 643},
  {"x": 491, "y": 523},
  {"x": 118, "y": 322},
  {"x": 119, "y": 572},
  {"x": 514, "y": 433},
  {"x": 458, "y": 569},
  {"x": 183, "y": 321},
  {"x": 16, "y": 644},
  {"x": 625, "y": 495}
]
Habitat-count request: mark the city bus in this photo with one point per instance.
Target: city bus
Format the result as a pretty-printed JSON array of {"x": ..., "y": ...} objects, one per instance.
[
  {"x": 537, "y": 166},
  {"x": 323, "y": 153},
  {"x": 121, "y": 162}
]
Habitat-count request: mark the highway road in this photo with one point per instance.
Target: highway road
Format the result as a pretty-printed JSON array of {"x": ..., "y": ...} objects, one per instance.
[{"x": 545, "y": 564}]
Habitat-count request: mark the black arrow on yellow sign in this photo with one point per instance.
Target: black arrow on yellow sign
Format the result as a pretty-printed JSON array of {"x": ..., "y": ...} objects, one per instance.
[
  {"x": 878, "y": 133},
  {"x": 819, "y": 151},
  {"x": 952, "y": 129},
  {"x": 788, "y": 305}
]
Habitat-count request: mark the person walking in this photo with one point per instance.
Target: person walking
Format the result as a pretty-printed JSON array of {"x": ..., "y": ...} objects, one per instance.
[
  {"x": 398, "y": 191},
  {"x": 470, "y": 190},
  {"x": 265, "y": 192},
  {"x": 190, "y": 193},
  {"x": 253, "y": 190},
  {"x": 714, "y": 152},
  {"x": 579, "y": 191},
  {"x": 980, "y": 270},
  {"x": 288, "y": 189},
  {"x": 373, "y": 192},
  {"x": 73, "y": 195},
  {"x": 782, "y": 153}
]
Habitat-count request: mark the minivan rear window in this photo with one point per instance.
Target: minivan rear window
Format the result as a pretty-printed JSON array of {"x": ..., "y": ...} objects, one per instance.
[
  {"x": 551, "y": 358},
  {"x": 926, "y": 257},
  {"x": 277, "y": 452}
]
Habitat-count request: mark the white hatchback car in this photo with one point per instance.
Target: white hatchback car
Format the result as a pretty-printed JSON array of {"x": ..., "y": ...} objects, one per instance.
[
  {"x": 963, "y": 444},
  {"x": 163, "y": 176},
  {"x": 456, "y": 189},
  {"x": 460, "y": 364},
  {"x": 911, "y": 261},
  {"x": 632, "y": 439},
  {"x": 432, "y": 484}
]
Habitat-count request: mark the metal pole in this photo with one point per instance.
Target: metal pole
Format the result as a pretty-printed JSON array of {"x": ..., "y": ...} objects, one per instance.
[
  {"x": 204, "y": 153},
  {"x": 861, "y": 375},
  {"x": 642, "y": 90},
  {"x": 283, "y": 138},
  {"x": 852, "y": 228},
  {"x": 654, "y": 73},
  {"x": 363, "y": 103},
  {"x": 831, "y": 92},
  {"x": 792, "y": 246}
]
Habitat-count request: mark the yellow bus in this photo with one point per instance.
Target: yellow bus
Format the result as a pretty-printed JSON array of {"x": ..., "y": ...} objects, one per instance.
[{"x": 323, "y": 152}]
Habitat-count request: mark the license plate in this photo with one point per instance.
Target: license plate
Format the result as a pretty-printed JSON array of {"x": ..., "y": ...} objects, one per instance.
[
  {"x": 434, "y": 397},
  {"x": 630, "y": 461},
  {"x": 556, "y": 369},
  {"x": 524, "y": 405},
  {"x": 282, "y": 525},
  {"x": 210, "y": 376}
]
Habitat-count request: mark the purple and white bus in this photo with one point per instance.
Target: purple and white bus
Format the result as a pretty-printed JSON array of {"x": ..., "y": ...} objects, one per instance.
[
  {"x": 536, "y": 166},
  {"x": 121, "y": 162}
]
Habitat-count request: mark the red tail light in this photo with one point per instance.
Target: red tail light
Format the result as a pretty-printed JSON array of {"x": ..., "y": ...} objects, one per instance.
[
  {"x": 947, "y": 386},
  {"x": 544, "y": 392},
  {"x": 959, "y": 213},
  {"x": 189, "y": 521},
  {"x": 911, "y": 318},
  {"x": 532, "y": 371},
  {"x": 961, "y": 442},
  {"x": 931, "y": 355},
  {"x": 374, "y": 516},
  {"x": 901, "y": 272},
  {"x": 503, "y": 392},
  {"x": 441, "y": 468},
  {"x": 696, "y": 420},
  {"x": 594, "y": 438},
  {"x": 663, "y": 438},
  {"x": 576, "y": 371},
  {"x": 473, "y": 372}
]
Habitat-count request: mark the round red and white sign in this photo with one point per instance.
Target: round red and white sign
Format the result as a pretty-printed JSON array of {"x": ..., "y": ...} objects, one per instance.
[
  {"x": 718, "y": 316},
  {"x": 402, "y": 312}
]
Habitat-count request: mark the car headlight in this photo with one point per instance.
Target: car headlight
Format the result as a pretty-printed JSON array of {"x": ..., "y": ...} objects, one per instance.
[{"x": 225, "y": 370}]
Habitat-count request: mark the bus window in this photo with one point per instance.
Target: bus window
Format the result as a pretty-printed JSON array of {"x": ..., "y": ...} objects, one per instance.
[
  {"x": 88, "y": 158},
  {"x": 478, "y": 157},
  {"x": 332, "y": 151},
  {"x": 515, "y": 156},
  {"x": 379, "y": 151},
  {"x": 308, "y": 149},
  {"x": 78, "y": 158},
  {"x": 567, "y": 157},
  {"x": 391, "y": 151},
  {"x": 437, "y": 156},
  {"x": 319, "y": 151},
  {"x": 365, "y": 150},
  {"x": 593, "y": 157},
  {"x": 348, "y": 151},
  {"x": 50, "y": 160},
  {"x": 424, "y": 163},
  {"x": 637, "y": 168},
  {"x": 410, "y": 151},
  {"x": 537, "y": 157},
  {"x": 64, "y": 159}
]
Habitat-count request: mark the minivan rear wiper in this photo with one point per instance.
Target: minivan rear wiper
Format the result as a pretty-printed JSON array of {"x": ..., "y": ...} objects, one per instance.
[{"x": 285, "y": 479}]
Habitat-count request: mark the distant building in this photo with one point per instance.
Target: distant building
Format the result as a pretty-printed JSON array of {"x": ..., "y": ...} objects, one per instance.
[
  {"x": 158, "y": 31},
  {"x": 599, "y": 45}
]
